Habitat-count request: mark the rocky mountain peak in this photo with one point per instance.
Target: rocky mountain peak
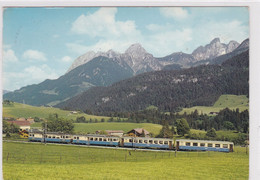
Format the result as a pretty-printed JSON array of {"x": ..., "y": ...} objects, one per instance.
[
  {"x": 136, "y": 48},
  {"x": 244, "y": 44},
  {"x": 214, "y": 41},
  {"x": 82, "y": 60},
  {"x": 231, "y": 46},
  {"x": 214, "y": 49}
]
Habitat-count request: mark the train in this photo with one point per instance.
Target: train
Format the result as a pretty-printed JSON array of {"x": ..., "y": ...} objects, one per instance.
[{"x": 133, "y": 142}]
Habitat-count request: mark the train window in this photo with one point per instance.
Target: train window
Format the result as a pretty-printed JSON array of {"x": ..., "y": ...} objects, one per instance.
[
  {"x": 135, "y": 141},
  {"x": 202, "y": 144},
  {"x": 217, "y": 145},
  {"x": 210, "y": 145},
  {"x": 77, "y": 137},
  {"x": 114, "y": 139},
  {"x": 195, "y": 144},
  {"x": 105, "y": 139},
  {"x": 187, "y": 143},
  {"x": 49, "y": 136},
  {"x": 96, "y": 139},
  {"x": 100, "y": 139},
  {"x": 225, "y": 145},
  {"x": 140, "y": 141},
  {"x": 160, "y": 142},
  {"x": 166, "y": 142},
  {"x": 150, "y": 141},
  {"x": 91, "y": 139},
  {"x": 155, "y": 142},
  {"x": 67, "y": 136},
  {"x": 145, "y": 141},
  {"x": 130, "y": 140}
]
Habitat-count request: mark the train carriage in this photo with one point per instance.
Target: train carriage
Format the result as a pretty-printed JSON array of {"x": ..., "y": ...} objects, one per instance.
[
  {"x": 143, "y": 142},
  {"x": 35, "y": 136},
  {"x": 103, "y": 140},
  {"x": 204, "y": 145}
]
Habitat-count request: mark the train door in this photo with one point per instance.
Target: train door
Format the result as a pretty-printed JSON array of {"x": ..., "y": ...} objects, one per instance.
[
  {"x": 177, "y": 145},
  {"x": 122, "y": 142},
  {"x": 88, "y": 139},
  {"x": 170, "y": 145},
  {"x": 231, "y": 148}
]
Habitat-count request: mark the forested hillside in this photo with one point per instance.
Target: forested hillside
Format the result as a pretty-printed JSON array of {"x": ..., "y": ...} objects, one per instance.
[{"x": 168, "y": 90}]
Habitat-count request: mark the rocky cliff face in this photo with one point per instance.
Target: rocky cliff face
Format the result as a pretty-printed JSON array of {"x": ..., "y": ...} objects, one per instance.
[
  {"x": 141, "y": 61},
  {"x": 214, "y": 49},
  {"x": 85, "y": 58},
  {"x": 135, "y": 56}
]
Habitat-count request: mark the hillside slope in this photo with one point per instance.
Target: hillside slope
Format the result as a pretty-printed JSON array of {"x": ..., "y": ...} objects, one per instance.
[
  {"x": 101, "y": 71},
  {"x": 168, "y": 90}
]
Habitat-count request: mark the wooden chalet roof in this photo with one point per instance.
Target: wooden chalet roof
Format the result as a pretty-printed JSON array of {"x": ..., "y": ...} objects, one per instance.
[
  {"x": 20, "y": 123},
  {"x": 139, "y": 131}
]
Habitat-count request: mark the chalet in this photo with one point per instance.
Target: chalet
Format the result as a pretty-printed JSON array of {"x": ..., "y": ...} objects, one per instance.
[
  {"x": 213, "y": 113},
  {"x": 112, "y": 132},
  {"x": 31, "y": 120},
  {"x": 138, "y": 132},
  {"x": 24, "y": 125},
  {"x": 21, "y": 119}
]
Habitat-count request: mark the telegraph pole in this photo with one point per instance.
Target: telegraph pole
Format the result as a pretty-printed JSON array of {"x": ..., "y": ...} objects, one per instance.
[{"x": 44, "y": 132}]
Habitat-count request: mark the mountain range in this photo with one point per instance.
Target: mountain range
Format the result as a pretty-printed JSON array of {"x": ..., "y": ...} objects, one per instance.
[
  {"x": 167, "y": 90},
  {"x": 105, "y": 68}
]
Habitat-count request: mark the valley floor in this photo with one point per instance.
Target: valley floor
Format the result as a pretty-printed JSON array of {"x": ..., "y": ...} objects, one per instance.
[{"x": 38, "y": 161}]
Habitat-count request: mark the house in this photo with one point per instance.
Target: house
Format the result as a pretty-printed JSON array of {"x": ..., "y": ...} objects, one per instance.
[
  {"x": 112, "y": 132},
  {"x": 24, "y": 125},
  {"x": 213, "y": 113},
  {"x": 21, "y": 119},
  {"x": 31, "y": 120},
  {"x": 138, "y": 132},
  {"x": 73, "y": 112}
]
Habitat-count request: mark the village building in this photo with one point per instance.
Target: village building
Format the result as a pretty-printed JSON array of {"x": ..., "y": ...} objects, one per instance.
[
  {"x": 21, "y": 119},
  {"x": 112, "y": 132},
  {"x": 138, "y": 132},
  {"x": 24, "y": 125},
  {"x": 31, "y": 120}
]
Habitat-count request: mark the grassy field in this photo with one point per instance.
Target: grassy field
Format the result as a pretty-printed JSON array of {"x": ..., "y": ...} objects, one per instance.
[
  {"x": 92, "y": 127},
  {"x": 38, "y": 161},
  {"x": 84, "y": 128},
  {"x": 17, "y": 110},
  {"x": 230, "y": 101}
]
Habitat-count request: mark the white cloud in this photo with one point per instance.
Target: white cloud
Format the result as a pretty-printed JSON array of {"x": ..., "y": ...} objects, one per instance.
[
  {"x": 102, "y": 23},
  {"x": 77, "y": 48},
  {"x": 226, "y": 31},
  {"x": 34, "y": 55},
  {"x": 167, "y": 41},
  {"x": 66, "y": 59},
  {"x": 174, "y": 12},
  {"x": 27, "y": 76},
  {"x": 9, "y": 56}
]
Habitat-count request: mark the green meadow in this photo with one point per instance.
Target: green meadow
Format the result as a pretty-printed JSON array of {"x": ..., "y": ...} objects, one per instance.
[
  {"x": 84, "y": 128},
  {"x": 231, "y": 101},
  {"x": 17, "y": 110},
  {"x": 51, "y": 161}
]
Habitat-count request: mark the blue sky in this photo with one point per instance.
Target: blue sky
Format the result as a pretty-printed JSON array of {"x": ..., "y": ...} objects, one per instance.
[{"x": 41, "y": 43}]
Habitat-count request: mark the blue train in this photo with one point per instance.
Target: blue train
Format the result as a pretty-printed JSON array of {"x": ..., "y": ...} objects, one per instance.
[{"x": 133, "y": 142}]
